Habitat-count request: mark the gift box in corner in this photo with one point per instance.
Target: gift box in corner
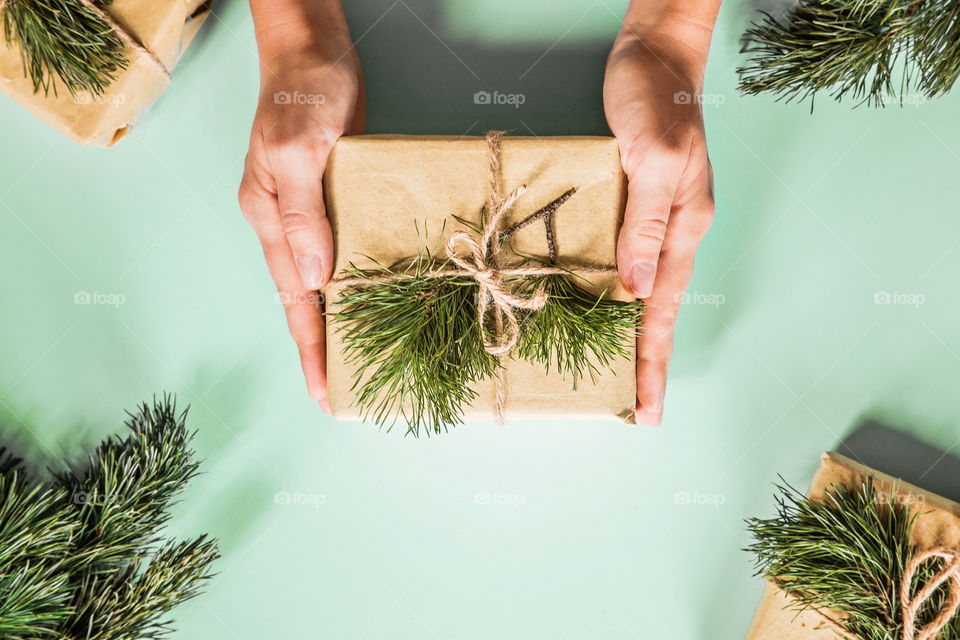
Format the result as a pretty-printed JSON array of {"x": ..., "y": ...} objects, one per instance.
[
  {"x": 937, "y": 526},
  {"x": 154, "y": 37},
  {"x": 389, "y": 197}
]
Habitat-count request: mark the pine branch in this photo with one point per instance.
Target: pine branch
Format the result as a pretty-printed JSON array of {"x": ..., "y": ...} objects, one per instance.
[
  {"x": 36, "y": 535},
  {"x": 83, "y": 557},
  {"x": 575, "y": 332},
  {"x": 856, "y": 49},
  {"x": 846, "y": 554},
  {"x": 417, "y": 346},
  {"x": 63, "y": 39}
]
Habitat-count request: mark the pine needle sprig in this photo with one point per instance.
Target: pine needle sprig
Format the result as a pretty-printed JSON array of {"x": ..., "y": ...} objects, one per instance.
[
  {"x": 83, "y": 556},
  {"x": 63, "y": 39},
  {"x": 416, "y": 343},
  {"x": 576, "y": 332},
  {"x": 855, "y": 48},
  {"x": 846, "y": 554},
  {"x": 36, "y": 525}
]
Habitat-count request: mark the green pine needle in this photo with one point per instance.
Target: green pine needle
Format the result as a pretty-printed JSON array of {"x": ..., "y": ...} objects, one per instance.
[
  {"x": 870, "y": 51},
  {"x": 576, "y": 332},
  {"x": 416, "y": 344},
  {"x": 63, "y": 39},
  {"x": 83, "y": 556},
  {"x": 846, "y": 554}
]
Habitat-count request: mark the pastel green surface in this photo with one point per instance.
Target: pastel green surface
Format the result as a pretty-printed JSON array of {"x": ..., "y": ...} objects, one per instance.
[{"x": 575, "y": 531}]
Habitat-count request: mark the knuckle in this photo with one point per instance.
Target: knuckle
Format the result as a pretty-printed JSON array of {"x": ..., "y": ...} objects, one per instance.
[
  {"x": 247, "y": 201},
  {"x": 293, "y": 221},
  {"x": 647, "y": 232}
]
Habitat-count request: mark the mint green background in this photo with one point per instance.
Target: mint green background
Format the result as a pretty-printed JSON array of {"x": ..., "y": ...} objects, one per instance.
[{"x": 587, "y": 534}]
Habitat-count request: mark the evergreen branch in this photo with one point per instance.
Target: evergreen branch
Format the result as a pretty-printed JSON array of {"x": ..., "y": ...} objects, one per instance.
[
  {"x": 126, "y": 604},
  {"x": 846, "y": 554},
  {"x": 855, "y": 48},
  {"x": 82, "y": 557},
  {"x": 124, "y": 493},
  {"x": 63, "y": 39},
  {"x": 576, "y": 332},
  {"x": 36, "y": 535},
  {"x": 416, "y": 343}
]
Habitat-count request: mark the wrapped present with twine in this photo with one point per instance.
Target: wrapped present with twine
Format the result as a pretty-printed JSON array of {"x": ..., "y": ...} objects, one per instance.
[
  {"x": 475, "y": 279},
  {"x": 863, "y": 556},
  {"x": 89, "y": 68}
]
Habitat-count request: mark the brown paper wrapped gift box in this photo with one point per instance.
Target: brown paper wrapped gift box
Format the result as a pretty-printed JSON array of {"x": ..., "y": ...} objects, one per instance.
[
  {"x": 939, "y": 525},
  {"x": 388, "y": 195},
  {"x": 165, "y": 28}
]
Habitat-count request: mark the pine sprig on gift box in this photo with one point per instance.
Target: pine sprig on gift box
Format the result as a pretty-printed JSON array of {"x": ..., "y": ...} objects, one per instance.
[
  {"x": 83, "y": 555},
  {"x": 846, "y": 554},
  {"x": 65, "y": 40},
  {"x": 873, "y": 52},
  {"x": 418, "y": 346}
]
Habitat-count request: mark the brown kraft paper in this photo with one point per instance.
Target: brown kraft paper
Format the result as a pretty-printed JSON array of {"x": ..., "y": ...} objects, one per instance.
[
  {"x": 388, "y": 196},
  {"x": 166, "y": 28}
]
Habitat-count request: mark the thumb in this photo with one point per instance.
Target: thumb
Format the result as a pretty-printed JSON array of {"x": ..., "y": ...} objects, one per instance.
[
  {"x": 651, "y": 188},
  {"x": 303, "y": 218}
]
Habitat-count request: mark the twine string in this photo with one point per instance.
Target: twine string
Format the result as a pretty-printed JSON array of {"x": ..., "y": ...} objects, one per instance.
[{"x": 911, "y": 604}]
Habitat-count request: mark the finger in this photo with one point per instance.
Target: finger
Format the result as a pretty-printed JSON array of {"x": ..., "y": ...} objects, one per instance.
[
  {"x": 655, "y": 346},
  {"x": 299, "y": 180},
  {"x": 302, "y": 306},
  {"x": 651, "y": 186}
]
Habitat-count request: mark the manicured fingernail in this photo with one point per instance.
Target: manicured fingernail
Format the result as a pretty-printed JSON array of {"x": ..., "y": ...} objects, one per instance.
[
  {"x": 650, "y": 416},
  {"x": 311, "y": 270},
  {"x": 641, "y": 279}
]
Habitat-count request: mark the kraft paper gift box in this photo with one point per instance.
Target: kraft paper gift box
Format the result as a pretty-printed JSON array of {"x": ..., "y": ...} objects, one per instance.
[
  {"x": 387, "y": 196},
  {"x": 165, "y": 28},
  {"x": 937, "y": 526}
]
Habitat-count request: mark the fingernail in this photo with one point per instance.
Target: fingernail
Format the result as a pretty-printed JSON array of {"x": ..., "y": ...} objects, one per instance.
[
  {"x": 310, "y": 266},
  {"x": 641, "y": 279},
  {"x": 650, "y": 416}
]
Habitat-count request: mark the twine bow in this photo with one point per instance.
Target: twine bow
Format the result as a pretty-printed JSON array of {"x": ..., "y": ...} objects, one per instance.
[{"x": 911, "y": 604}]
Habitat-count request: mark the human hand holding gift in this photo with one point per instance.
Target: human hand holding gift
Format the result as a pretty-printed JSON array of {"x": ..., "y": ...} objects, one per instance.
[
  {"x": 661, "y": 141},
  {"x": 311, "y": 94},
  {"x": 651, "y": 92}
]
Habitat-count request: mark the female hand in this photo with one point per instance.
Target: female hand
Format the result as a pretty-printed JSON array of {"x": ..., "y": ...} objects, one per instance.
[
  {"x": 652, "y": 87},
  {"x": 311, "y": 93}
]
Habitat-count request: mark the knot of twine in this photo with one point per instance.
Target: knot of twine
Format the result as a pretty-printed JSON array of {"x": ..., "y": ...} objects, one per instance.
[
  {"x": 497, "y": 300},
  {"x": 125, "y": 36},
  {"x": 482, "y": 264},
  {"x": 911, "y": 604}
]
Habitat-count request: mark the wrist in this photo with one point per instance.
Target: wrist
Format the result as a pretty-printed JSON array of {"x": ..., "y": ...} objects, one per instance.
[
  {"x": 676, "y": 28},
  {"x": 291, "y": 31}
]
